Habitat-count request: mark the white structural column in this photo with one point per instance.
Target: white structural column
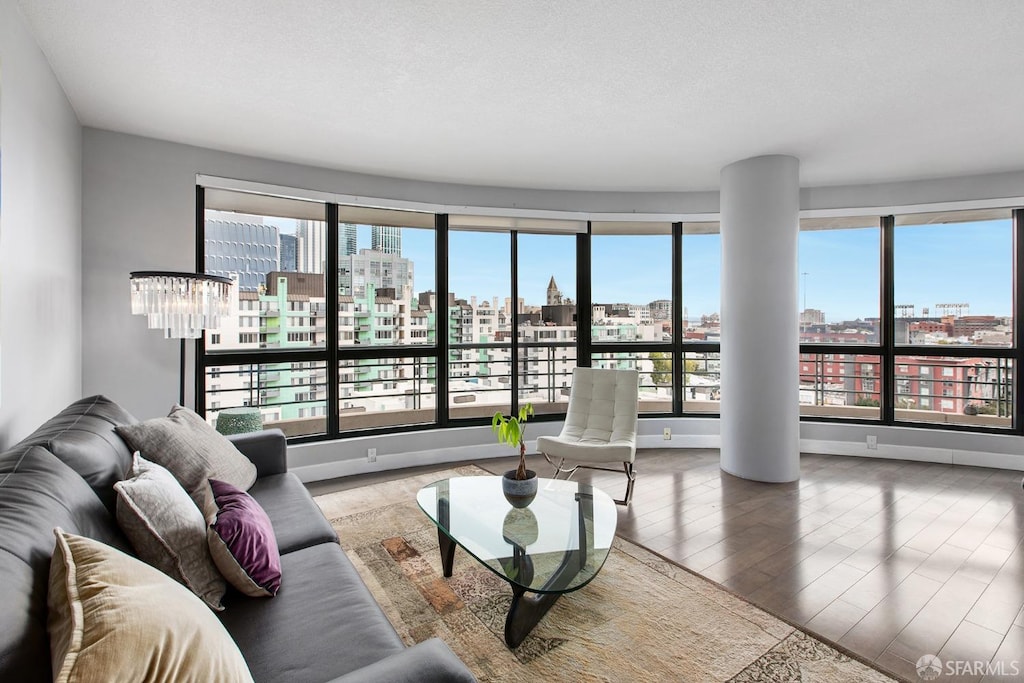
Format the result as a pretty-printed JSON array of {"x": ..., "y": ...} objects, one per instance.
[{"x": 760, "y": 423}]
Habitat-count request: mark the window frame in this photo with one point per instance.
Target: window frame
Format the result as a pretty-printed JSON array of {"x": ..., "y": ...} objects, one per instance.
[{"x": 585, "y": 347}]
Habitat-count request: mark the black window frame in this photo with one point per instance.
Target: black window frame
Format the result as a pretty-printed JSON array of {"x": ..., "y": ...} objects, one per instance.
[{"x": 678, "y": 347}]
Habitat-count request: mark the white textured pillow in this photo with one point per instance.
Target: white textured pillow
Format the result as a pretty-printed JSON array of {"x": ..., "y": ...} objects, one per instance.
[
  {"x": 167, "y": 530},
  {"x": 113, "y": 618}
]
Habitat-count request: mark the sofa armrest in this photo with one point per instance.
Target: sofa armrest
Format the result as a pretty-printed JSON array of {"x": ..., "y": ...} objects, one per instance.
[
  {"x": 428, "y": 662},
  {"x": 268, "y": 450}
]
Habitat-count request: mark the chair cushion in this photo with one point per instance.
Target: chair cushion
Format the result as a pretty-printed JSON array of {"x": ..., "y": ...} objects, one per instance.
[
  {"x": 113, "y": 617},
  {"x": 586, "y": 450},
  {"x": 297, "y": 520},
  {"x": 322, "y": 624}
]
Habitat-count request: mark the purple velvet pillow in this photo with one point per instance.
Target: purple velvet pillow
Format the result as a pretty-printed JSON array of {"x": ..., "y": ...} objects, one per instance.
[{"x": 242, "y": 542}]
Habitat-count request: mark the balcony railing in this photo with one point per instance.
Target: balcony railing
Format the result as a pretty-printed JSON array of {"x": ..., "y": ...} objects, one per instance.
[
  {"x": 850, "y": 384},
  {"x": 386, "y": 392},
  {"x": 246, "y": 385},
  {"x": 655, "y": 376},
  {"x": 955, "y": 390},
  {"x": 382, "y": 392}
]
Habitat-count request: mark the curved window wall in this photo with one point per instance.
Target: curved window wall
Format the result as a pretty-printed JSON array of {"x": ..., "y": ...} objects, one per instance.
[{"x": 338, "y": 328}]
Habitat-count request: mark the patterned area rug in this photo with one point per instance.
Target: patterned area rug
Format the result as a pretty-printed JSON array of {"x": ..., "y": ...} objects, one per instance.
[{"x": 641, "y": 619}]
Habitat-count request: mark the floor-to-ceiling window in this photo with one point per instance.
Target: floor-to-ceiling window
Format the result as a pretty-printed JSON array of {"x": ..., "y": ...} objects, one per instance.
[
  {"x": 480, "y": 322},
  {"x": 631, "y": 272},
  {"x": 701, "y": 319},
  {"x": 512, "y": 313},
  {"x": 270, "y": 351},
  {"x": 840, "y": 319},
  {"x": 387, "y": 318},
  {"x": 546, "y": 280},
  {"x": 350, "y": 320},
  {"x": 953, "y": 294}
]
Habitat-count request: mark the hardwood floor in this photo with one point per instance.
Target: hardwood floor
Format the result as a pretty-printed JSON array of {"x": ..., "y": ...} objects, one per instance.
[{"x": 891, "y": 560}]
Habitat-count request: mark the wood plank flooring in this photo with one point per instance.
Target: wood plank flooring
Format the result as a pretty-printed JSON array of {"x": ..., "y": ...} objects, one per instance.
[{"x": 891, "y": 560}]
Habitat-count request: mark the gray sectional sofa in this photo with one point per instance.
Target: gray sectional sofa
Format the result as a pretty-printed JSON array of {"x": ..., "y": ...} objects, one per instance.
[{"x": 323, "y": 625}]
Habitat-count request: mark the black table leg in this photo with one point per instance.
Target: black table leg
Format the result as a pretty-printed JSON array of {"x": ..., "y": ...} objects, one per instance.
[
  {"x": 447, "y": 546},
  {"x": 526, "y": 611}
]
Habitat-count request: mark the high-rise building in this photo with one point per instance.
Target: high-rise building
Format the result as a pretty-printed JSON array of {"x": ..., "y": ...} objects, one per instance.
[
  {"x": 386, "y": 239},
  {"x": 242, "y": 245},
  {"x": 346, "y": 239},
  {"x": 312, "y": 245},
  {"x": 289, "y": 253},
  {"x": 372, "y": 267}
]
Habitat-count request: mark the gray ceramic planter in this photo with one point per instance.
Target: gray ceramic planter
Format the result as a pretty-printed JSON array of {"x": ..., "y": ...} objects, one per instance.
[{"x": 519, "y": 492}]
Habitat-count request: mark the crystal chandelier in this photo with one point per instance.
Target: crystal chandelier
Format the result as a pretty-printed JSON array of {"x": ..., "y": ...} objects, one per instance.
[{"x": 181, "y": 304}]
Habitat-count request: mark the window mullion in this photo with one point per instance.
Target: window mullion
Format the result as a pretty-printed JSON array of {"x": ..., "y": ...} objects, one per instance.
[
  {"x": 513, "y": 317},
  {"x": 331, "y": 285},
  {"x": 678, "y": 364},
  {"x": 1018, "y": 322},
  {"x": 888, "y": 322},
  {"x": 584, "y": 302},
  {"x": 441, "y": 319}
]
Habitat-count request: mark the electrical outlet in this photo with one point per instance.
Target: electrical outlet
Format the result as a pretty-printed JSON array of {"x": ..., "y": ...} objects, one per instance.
[
  {"x": 371, "y": 455},
  {"x": 872, "y": 442},
  {"x": 667, "y": 434}
]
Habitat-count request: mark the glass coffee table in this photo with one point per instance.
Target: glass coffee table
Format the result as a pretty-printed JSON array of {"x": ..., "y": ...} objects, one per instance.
[{"x": 555, "y": 545}]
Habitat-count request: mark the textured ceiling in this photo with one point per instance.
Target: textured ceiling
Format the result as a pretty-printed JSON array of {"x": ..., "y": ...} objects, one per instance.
[{"x": 565, "y": 94}]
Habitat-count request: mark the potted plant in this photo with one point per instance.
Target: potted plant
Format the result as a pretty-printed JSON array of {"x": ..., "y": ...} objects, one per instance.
[{"x": 518, "y": 485}]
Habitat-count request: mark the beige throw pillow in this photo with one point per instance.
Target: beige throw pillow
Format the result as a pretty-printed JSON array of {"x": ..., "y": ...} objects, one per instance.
[
  {"x": 113, "y": 618},
  {"x": 167, "y": 530},
  {"x": 192, "y": 450}
]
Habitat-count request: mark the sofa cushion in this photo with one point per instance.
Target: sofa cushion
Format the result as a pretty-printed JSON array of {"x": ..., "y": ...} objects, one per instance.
[
  {"x": 323, "y": 623},
  {"x": 37, "y": 493},
  {"x": 192, "y": 450},
  {"x": 242, "y": 542},
  {"x": 167, "y": 530},
  {"x": 298, "y": 522},
  {"x": 113, "y": 617},
  {"x": 82, "y": 436}
]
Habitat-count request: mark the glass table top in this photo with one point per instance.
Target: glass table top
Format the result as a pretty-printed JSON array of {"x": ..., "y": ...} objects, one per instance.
[{"x": 556, "y": 544}]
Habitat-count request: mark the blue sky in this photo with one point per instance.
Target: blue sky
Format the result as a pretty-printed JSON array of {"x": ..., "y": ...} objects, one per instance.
[{"x": 953, "y": 263}]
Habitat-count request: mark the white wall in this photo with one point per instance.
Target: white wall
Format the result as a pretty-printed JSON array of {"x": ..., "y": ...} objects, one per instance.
[
  {"x": 139, "y": 213},
  {"x": 40, "y": 236}
]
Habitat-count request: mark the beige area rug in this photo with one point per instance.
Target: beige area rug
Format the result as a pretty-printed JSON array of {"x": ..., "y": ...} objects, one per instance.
[{"x": 641, "y": 619}]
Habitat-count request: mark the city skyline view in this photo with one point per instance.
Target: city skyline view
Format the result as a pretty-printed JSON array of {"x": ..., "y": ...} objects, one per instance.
[
  {"x": 838, "y": 269},
  {"x": 945, "y": 294}
]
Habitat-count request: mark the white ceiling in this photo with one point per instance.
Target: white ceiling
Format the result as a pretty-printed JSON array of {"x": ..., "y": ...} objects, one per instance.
[{"x": 561, "y": 94}]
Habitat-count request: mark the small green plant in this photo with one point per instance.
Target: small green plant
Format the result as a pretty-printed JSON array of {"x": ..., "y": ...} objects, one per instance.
[{"x": 511, "y": 430}]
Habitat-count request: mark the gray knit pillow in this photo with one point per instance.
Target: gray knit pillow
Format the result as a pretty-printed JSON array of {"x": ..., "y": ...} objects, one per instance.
[
  {"x": 192, "y": 450},
  {"x": 167, "y": 530}
]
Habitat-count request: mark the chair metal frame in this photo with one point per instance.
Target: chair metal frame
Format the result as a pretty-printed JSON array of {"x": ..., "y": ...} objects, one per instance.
[{"x": 627, "y": 466}]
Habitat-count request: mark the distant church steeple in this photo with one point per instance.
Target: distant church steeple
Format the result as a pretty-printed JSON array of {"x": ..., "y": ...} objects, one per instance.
[{"x": 554, "y": 296}]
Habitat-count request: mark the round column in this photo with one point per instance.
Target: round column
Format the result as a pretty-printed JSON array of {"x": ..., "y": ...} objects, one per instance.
[{"x": 760, "y": 423}]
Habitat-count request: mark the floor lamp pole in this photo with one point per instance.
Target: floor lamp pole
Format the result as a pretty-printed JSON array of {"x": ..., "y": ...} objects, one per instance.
[{"x": 181, "y": 375}]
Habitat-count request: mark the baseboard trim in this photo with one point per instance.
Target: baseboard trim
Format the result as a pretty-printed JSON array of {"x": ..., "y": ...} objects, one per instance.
[
  {"x": 679, "y": 441},
  {"x": 946, "y": 456},
  {"x": 457, "y": 454},
  {"x": 397, "y": 461}
]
